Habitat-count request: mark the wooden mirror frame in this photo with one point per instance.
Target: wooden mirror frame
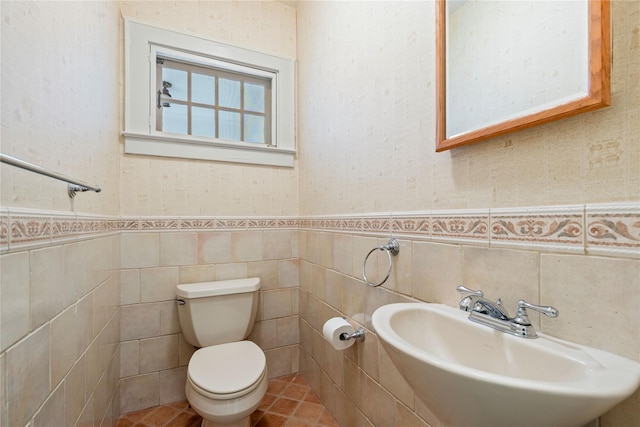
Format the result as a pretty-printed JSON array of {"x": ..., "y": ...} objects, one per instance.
[{"x": 598, "y": 96}]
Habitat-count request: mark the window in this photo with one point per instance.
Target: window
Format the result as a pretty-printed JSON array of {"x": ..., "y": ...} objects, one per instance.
[
  {"x": 212, "y": 102},
  {"x": 195, "y": 98}
]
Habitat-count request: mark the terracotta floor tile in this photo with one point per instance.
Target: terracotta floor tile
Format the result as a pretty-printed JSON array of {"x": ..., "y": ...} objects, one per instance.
[
  {"x": 267, "y": 401},
  {"x": 284, "y": 406},
  {"x": 296, "y": 392},
  {"x": 255, "y": 416},
  {"x": 300, "y": 380},
  {"x": 138, "y": 415},
  {"x": 287, "y": 378},
  {"x": 272, "y": 420},
  {"x": 276, "y": 387},
  {"x": 289, "y": 402},
  {"x": 298, "y": 423},
  {"x": 309, "y": 412},
  {"x": 312, "y": 398},
  {"x": 185, "y": 419},
  {"x": 160, "y": 416},
  {"x": 125, "y": 422},
  {"x": 180, "y": 405}
]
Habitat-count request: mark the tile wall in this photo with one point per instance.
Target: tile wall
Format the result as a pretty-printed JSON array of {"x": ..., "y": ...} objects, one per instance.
[
  {"x": 582, "y": 260},
  {"x": 149, "y": 257},
  {"x": 111, "y": 281},
  {"x": 59, "y": 324},
  {"x": 153, "y": 351}
]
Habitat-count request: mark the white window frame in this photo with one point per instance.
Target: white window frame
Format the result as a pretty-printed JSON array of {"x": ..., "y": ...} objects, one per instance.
[{"x": 143, "y": 42}]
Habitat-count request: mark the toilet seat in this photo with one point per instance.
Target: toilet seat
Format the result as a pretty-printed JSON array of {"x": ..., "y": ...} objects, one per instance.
[{"x": 227, "y": 371}]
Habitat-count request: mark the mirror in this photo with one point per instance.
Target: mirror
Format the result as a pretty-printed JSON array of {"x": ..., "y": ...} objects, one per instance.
[{"x": 504, "y": 66}]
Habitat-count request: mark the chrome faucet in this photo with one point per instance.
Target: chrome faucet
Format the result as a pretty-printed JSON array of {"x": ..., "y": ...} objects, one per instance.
[{"x": 494, "y": 315}]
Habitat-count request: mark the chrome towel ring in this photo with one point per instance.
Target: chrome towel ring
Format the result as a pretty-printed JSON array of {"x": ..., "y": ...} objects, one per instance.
[{"x": 391, "y": 248}]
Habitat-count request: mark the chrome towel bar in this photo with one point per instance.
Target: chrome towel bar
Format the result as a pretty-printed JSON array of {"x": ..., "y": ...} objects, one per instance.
[{"x": 74, "y": 184}]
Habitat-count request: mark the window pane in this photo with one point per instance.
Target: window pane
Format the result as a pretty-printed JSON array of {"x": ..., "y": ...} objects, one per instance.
[
  {"x": 254, "y": 97},
  {"x": 254, "y": 128},
  {"x": 178, "y": 80},
  {"x": 203, "y": 89},
  {"x": 229, "y": 93},
  {"x": 174, "y": 118},
  {"x": 203, "y": 122},
  {"x": 229, "y": 123}
]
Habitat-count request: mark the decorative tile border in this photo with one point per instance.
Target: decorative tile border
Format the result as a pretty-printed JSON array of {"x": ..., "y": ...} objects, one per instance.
[
  {"x": 262, "y": 223},
  {"x": 128, "y": 224},
  {"x": 93, "y": 225},
  {"x": 558, "y": 228},
  {"x": 64, "y": 227},
  {"x": 464, "y": 226},
  {"x": 608, "y": 230},
  {"x": 411, "y": 225},
  {"x": 351, "y": 223},
  {"x": 159, "y": 223},
  {"x": 197, "y": 224},
  {"x": 4, "y": 230},
  {"x": 23, "y": 229},
  {"x": 290, "y": 222},
  {"x": 29, "y": 230},
  {"x": 613, "y": 230},
  {"x": 231, "y": 223},
  {"x": 380, "y": 224}
]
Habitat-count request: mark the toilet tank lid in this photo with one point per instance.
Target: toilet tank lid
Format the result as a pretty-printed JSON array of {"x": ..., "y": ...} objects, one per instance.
[{"x": 218, "y": 287}]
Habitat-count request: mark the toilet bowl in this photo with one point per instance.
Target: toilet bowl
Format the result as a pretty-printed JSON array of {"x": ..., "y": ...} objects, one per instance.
[
  {"x": 226, "y": 383},
  {"x": 227, "y": 376}
]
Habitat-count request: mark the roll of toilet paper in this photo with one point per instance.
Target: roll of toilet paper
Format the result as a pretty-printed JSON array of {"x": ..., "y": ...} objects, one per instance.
[{"x": 332, "y": 330}]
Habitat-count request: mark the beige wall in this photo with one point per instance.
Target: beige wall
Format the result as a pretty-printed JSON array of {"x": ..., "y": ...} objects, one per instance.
[
  {"x": 159, "y": 186},
  {"x": 61, "y": 66},
  {"x": 366, "y": 98},
  {"x": 62, "y": 109}
]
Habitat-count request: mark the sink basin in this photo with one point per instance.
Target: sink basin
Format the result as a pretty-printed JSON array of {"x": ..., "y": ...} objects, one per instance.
[{"x": 470, "y": 375}]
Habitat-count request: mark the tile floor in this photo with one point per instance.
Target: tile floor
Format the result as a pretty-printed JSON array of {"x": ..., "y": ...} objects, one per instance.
[{"x": 289, "y": 402}]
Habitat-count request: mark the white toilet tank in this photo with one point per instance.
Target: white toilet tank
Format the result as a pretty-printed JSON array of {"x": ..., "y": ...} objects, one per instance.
[{"x": 218, "y": 312}]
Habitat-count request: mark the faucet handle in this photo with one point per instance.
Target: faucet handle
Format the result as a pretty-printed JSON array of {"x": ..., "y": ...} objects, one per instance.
[
  {"x": 522, "y": 318},
  {"x": 468, "y": 292},
  {"x": 544, "y": 309},
  {"x": 465, "y": 304}
]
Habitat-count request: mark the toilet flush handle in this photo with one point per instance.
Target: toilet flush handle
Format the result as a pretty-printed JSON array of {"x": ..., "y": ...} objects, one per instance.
[{"x": 180, "y": 301}]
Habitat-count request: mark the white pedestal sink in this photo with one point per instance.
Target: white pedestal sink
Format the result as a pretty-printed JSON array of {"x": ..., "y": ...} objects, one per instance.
[{"x": 473, "y": 376}]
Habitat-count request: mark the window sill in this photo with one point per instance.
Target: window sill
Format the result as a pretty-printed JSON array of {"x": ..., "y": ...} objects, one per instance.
[{"x": 206, "y": 149}]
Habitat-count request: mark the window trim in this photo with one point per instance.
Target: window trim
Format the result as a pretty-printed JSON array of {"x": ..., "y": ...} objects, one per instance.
[{"x": 140, "y": 135}]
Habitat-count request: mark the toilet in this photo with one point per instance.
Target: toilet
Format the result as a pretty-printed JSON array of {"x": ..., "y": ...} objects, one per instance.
[{"x": 227, "y": 375}]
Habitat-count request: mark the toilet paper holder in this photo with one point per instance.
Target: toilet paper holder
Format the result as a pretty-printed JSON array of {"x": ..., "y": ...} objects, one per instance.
[{"x": 357, "y": 335}]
